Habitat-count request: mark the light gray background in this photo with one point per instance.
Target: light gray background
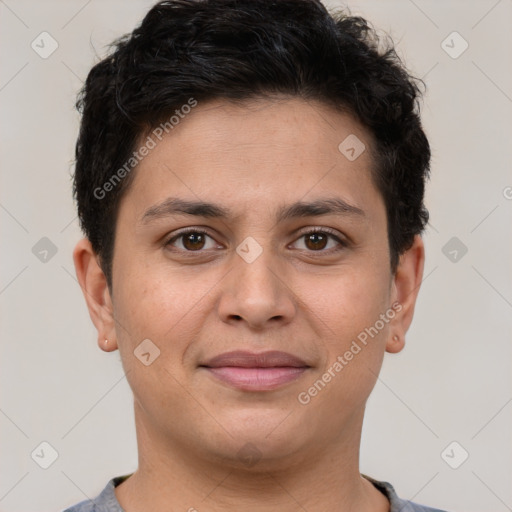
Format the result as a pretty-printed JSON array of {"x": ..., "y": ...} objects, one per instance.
[{"x": 452, "y": 381}]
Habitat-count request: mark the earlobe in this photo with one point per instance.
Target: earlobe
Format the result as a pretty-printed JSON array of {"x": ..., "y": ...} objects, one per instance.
[
  {"x": 94, "y": 286},
  {"x": 395, "y": 344},
  {"x": 405, "y": 288}
]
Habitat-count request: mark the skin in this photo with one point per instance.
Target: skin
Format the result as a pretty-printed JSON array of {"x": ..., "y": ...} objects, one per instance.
[{"x": 306, "y": 299}]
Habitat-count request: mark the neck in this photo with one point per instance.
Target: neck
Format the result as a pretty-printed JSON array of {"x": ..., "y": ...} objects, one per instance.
[{"x": 173, "y": 477}]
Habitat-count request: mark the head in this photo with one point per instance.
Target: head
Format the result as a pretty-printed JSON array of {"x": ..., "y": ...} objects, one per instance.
[{"x": 287, "y": 143}]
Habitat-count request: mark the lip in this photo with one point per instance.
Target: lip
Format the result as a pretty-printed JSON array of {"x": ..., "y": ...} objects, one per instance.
[
  {"x": 249, "y": 371},
  {"x": 245, "y": 359}
]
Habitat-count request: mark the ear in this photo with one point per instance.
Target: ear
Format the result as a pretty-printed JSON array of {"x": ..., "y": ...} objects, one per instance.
[
  {"x": 404, "y": 291},
  {"x": 97, "y": 295}
]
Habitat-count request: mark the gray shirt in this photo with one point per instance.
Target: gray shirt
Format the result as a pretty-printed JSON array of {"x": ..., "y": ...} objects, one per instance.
[{"x": 107, "y": 501}]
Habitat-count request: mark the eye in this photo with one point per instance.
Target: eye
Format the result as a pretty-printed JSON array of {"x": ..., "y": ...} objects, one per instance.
[
  {"x": 317, "y": 240},
  {"x": 320, "y": 240},
  {"x": 192, "y": 240}
]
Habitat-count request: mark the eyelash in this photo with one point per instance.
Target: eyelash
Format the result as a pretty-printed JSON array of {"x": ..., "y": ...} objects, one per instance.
[{"x": 327, "y": 231}]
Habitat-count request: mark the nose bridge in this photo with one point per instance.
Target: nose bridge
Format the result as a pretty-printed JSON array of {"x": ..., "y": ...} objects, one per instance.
[
  {"x": 254, "y": 291},
  {"x": 260, "y": 277}
]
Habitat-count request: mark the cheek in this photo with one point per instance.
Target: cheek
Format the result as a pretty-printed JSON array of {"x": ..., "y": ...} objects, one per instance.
[
  {"x": 351, "y": 310},
  {"x": 161, "y": 304},
  {"x": 352, "y": 300},
  {"x": 147, "y": 308},
  {"x": 156, "y": 306}
]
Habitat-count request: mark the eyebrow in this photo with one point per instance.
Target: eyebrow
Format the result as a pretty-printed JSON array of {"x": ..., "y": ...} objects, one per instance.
[{"x": 175, "y": 206}]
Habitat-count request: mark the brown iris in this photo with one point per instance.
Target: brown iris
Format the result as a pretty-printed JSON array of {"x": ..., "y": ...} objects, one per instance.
[
  {"x": 316, "y": 241},
  {"x": 193, "y": 241}
]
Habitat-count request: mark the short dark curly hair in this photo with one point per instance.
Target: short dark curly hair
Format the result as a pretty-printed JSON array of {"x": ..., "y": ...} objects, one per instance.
[{"x": 239, "y": 50}]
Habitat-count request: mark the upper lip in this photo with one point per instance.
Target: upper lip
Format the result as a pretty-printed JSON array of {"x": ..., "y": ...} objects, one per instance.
[{"x": 245, "y": 359}]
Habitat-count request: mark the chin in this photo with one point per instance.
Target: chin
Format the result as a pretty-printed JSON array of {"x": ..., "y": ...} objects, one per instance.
[{"x": 266, "y": 436}]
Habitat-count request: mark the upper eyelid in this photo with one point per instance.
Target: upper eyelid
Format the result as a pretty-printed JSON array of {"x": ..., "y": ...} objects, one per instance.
[{"x": 318, "y": 229}]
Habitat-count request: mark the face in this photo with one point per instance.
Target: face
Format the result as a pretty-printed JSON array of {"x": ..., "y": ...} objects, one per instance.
[{"x": 254, "y": 257}]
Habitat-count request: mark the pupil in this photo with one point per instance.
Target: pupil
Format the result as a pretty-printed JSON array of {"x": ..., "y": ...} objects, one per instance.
[
  {"x": 194, "y": 241},
  {"x": 316, "y": 241}
]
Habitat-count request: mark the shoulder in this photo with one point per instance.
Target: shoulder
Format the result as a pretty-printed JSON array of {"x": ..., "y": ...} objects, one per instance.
[
  {"x": 83, "y": 506},
  {"x": 397, "y": 504},
  {"x": 106, "y": 501}
]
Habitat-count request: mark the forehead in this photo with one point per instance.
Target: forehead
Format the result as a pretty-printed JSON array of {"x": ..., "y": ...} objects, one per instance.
[
  {"x": 259, "y": 152},
  {"x": 287, "y": 127}
]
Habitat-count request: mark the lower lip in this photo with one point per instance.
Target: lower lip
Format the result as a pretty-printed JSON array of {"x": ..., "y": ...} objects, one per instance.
[{"x": 257, "y": 379}]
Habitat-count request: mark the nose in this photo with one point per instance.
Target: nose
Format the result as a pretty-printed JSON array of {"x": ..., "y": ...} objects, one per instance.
[{"x": 256, "y": 294}]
